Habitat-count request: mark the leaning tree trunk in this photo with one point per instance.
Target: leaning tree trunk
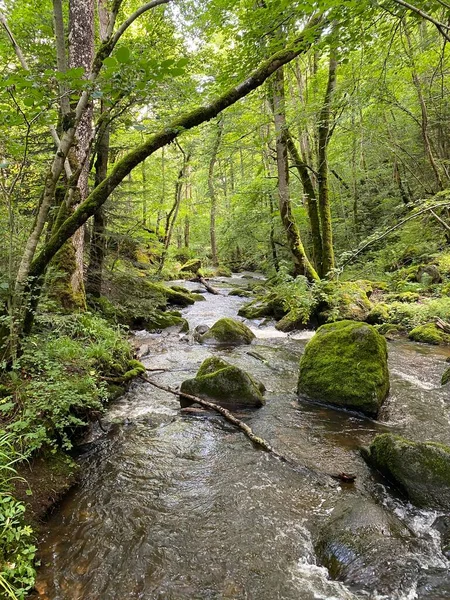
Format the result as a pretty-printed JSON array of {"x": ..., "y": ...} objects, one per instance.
[
  {"x": 302, "y": 265},
  {"x": 324, "y": 136},
  {"x": 212, "y": 192}
]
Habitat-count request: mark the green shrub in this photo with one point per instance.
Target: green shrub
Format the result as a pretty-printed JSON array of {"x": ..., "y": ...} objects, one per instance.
[
  {"x": 59, "y": 379},
  {"x": 17, "y": 550}
]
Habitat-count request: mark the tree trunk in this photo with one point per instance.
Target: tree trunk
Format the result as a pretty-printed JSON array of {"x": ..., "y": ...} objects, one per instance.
[
  {"x": 311, "y": 200},
  {"x": 173, "y": 213},
  {"x": 302, "y": 265},
  {"x": 324, "y": 135},
  {"x": 212, "y": 192}
]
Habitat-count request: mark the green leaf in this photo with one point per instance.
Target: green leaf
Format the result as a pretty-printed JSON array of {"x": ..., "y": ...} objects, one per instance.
[
  {"x": 28, "y": 101},
  {"x": 110, "y": 61},
  {"x": 123, "y": 55}
]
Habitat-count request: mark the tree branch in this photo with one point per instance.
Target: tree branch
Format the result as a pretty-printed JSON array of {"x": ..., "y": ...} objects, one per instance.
[
  {"x": 133, "y": 17},
  {"x": 440, "y": 26}
]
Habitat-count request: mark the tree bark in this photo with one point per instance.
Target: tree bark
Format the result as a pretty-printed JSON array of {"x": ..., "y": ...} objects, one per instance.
[
  {"x": 324, "y": 135},
  {"x": 302, "y": 265},
  {"x": 212, "y": 192}
]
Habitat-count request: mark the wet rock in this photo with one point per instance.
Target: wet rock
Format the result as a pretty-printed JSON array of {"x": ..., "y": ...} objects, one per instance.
[
  {"x": 228, "y": 331},
  {"x": 419, "y": 469},
  {"x": 291, "y": 322},
  {"x": 442, "y": 524},
  {"x": 429, "y": 334},
  {"x": 367, "y": 547},
  {"x": 241, "y": 293},
  {"x": 345, "y": 364},
  {"x": 427, "y": 274},
  {"x": 256, "y": 310},
  {"x": 445, "y": 377},
  {"x": 160, "y": 320},
  {"x": 199, "y": 331},
  {"x": 225, "y": 384},
  {"x": 191, "y": 266}
]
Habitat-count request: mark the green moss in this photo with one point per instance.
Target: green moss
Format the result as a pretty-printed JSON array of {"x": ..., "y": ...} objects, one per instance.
[
  {"x": 345, "y": 364},
  {"x": 241, "y": 293},
  {"x": 228, "y": 331},
  {"x": 347, "y": 300},
  {"x": 419, "y": 469},
  {"x": 291, "y": 322},
  {"x": 256, "y": 310},
  {"x": 225, "y": 384},
  {"x": 191, "y": 266},
  {"x": 223, "y": 271},
  {"x": 429, "y": 334},
  {"x": 405, "y": 297},
  {"x": 379, "y": 314}
]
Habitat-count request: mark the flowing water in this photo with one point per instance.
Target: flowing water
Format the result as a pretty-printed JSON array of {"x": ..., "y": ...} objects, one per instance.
[{"x": 180, "y": 506}]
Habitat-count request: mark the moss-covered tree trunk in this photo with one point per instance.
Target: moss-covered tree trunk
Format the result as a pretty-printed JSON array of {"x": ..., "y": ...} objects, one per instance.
[
  {"x": 324, "y": 135},
  {"x": 311, "y": 200},
  {"x": 212, "y": 192},
  {"x": 302, "y": 265}
]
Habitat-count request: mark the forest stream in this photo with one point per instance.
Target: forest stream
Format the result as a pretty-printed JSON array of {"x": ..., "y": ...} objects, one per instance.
[{"x": 180, "y": 505}]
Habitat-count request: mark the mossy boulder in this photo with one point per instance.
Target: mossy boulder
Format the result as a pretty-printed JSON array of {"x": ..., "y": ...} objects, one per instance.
[
  {"x": 429, "y": 334},
  {"x": 223, "y": 271},
  {"x": 241, "y": 293},
  {"x": 228, "y": 331},
  {"x": 255, "y": 310},
  {"x": 163, "y": 320},
  {"x": 345, "y": 364},
  {"x": 419, "y": 469},
  {"x": 355, "y": 540},
  {"x": 428, "y": 274},
  {"x": 191, "y": 266},
  {"x": 379, "y": 314},
  {"x": 291, "y": 322},
  {"x": 346, "y": 300},
  {"x": 225, "y": 384}
]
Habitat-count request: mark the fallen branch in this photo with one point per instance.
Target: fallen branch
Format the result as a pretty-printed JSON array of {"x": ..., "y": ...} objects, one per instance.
[
  {"x": 199, "y": 279},
  {"x": 391, "y": 229},
  {"x": 443, "y": 325},
  {"x": 248, "y": 431}
]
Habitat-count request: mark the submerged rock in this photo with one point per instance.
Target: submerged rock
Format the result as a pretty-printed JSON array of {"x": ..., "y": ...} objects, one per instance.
[
  {"x": 345, "y": 364},
  {"x": 419, "y": 469},
  {"x": 228, "y": 331},
  {"x": 225, "y": 384},
  {"x": 367, "y": 547}
]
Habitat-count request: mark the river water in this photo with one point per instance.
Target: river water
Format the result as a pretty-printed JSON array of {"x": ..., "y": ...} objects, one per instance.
[{"x": 178, "y": 506}]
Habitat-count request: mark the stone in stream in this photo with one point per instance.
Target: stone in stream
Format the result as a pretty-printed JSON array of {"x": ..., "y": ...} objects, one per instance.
[
  {"x": 224, "y": 384},
  {"x": 419, "y": 469},
  {"x": 345, "y": 365},
  {"x": 367, "y": 547},
  {"x": 227, "y": 331}
]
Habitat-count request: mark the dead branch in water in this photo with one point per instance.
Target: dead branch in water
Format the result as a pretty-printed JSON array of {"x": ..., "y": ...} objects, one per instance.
[
  {"x": 199, "y": 279},
  {"x": 248, "y": 431}
]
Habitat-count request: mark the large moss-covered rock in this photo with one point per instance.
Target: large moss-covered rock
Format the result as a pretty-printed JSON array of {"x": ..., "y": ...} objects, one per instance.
[
  {"x": 355, "y": 541},
  {"x": 291, "y": 322},
  {"x": 379, "y": 314},
  {"x": 345, "y": 364},
  {"x": 268, "y": 305},
  {"x": 419, "y": 469},
  {"x": 429, "y": 334},
  {"x": 191, "y": 266},
  {"x": 228, "y": 331},
  {"x": 224, "y": 384}
]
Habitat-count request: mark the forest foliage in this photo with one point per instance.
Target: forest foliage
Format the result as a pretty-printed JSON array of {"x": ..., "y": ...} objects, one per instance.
[{"x": 308, "y": 140}]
